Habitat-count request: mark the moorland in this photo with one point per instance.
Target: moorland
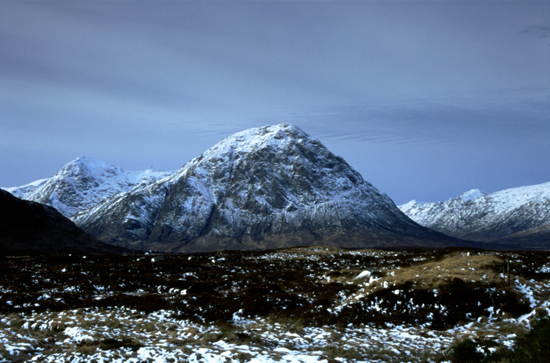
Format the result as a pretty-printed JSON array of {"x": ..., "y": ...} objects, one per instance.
[{"x": 310, "y": 304}]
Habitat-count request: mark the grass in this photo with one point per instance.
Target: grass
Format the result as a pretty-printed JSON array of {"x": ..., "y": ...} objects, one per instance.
[
  {"x": 434, "y": 274},
  {"x": 533, "y": 346},
  {"x": 340, "y": 350},
  {"x": 451, "y": 289}
]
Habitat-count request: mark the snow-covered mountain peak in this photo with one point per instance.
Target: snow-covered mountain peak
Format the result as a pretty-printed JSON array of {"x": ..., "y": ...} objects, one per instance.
[
  {"x": 472, "y": 194},
  {"x": 276, "y": 155},
  {"x": 267, "y": 186},
  {"x": 412, "y": 204},
  {"x": 90, "y": 163},
  {"x": 82, "y": 183},
  {"x": 24, "y": 190},
  {"x": 275, "y": 137},
  {"x": 87, "y": 167},
  {"x": 475, "y": 215},
  {"x": 265, "y": 135}
]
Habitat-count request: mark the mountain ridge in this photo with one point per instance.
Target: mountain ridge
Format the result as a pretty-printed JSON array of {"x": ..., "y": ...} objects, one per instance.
[
  {"x": 268, "y": 187},
  {"x": 82, "y": 183},
  {"x": 514, "y": 216}
]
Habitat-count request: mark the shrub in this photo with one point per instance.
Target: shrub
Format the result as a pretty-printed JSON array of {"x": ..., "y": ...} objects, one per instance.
[
  {"x": 107, "y": 344},
  {"x": 465, "y": 351},
  {"x": 533, "y": 346}
]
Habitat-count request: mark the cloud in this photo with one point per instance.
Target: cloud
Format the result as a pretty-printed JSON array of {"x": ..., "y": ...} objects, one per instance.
[
  {"x": 519, "y": 114},
  {"x": 537, "y": 31}
]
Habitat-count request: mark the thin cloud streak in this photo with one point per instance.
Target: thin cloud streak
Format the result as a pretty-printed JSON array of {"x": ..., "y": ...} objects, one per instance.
[
  {"x": 537, "y": 31},
  {"x": 441, "y": 121}
]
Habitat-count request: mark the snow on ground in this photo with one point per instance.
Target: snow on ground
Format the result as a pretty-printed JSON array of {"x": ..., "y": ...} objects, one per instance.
[{"x": 124, "y": 334}]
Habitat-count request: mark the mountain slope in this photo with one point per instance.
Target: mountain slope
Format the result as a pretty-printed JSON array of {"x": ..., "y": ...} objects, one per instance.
[
  {"x": 33, "y": 228},
  {"x": 268, "y": 187},
  {"x": 83, "y": 183},
  {"x": 517, "y": 215},
  {"x": 24, "y": 190}
]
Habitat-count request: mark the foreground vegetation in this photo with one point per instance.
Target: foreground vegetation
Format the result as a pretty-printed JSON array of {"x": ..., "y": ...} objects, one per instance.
[
  {"x": 530, "y": 346},
  {"x": 301, "y": 304}
]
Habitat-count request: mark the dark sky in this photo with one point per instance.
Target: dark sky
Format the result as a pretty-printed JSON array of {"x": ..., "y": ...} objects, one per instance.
[{"x": 426, "y": 99}]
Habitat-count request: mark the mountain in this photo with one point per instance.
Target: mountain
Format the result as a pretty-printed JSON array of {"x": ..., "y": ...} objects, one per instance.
[
  {"x": 24, "y": 190},
  {"x": 83, "y": 183},
  {"x": 268, "y": 187},
  {"x": 33, "y": 228},
  {"x": 517, "y": 216}
]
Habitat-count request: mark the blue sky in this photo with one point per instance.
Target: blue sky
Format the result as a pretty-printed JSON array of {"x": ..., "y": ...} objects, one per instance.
[{"x": 426, "y": 99}]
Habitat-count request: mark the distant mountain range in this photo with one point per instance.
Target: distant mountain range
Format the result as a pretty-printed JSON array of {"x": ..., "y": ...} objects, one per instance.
[
  {"x": 518, "y": 217},
  {"x": 275, "y": 187}
]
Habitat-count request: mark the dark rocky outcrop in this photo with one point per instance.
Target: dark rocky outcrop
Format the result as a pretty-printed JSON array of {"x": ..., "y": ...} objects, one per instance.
[{"x": 33, "y": 228}]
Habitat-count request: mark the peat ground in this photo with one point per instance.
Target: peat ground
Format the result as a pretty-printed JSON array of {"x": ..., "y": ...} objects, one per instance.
[{"x": 301, "y": 304}]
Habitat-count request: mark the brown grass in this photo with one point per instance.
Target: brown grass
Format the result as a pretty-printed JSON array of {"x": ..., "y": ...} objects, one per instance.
[
  {"x": 291, "y": 323},
  {"x": 468, "y": 267},
  {"x": 434, "y": 274}
]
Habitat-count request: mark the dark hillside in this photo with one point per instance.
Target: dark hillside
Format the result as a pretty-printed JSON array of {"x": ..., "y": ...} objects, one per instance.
[{"x": 33, "y": 228}]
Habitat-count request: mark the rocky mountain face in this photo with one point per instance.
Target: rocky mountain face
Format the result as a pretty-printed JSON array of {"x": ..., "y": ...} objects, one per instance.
[
  {"x": 83, "y": 183},
  {"x": 268, "y": 187},
  {"x": 518, "y": 216},
  {"x": 33, "y": 228}
]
